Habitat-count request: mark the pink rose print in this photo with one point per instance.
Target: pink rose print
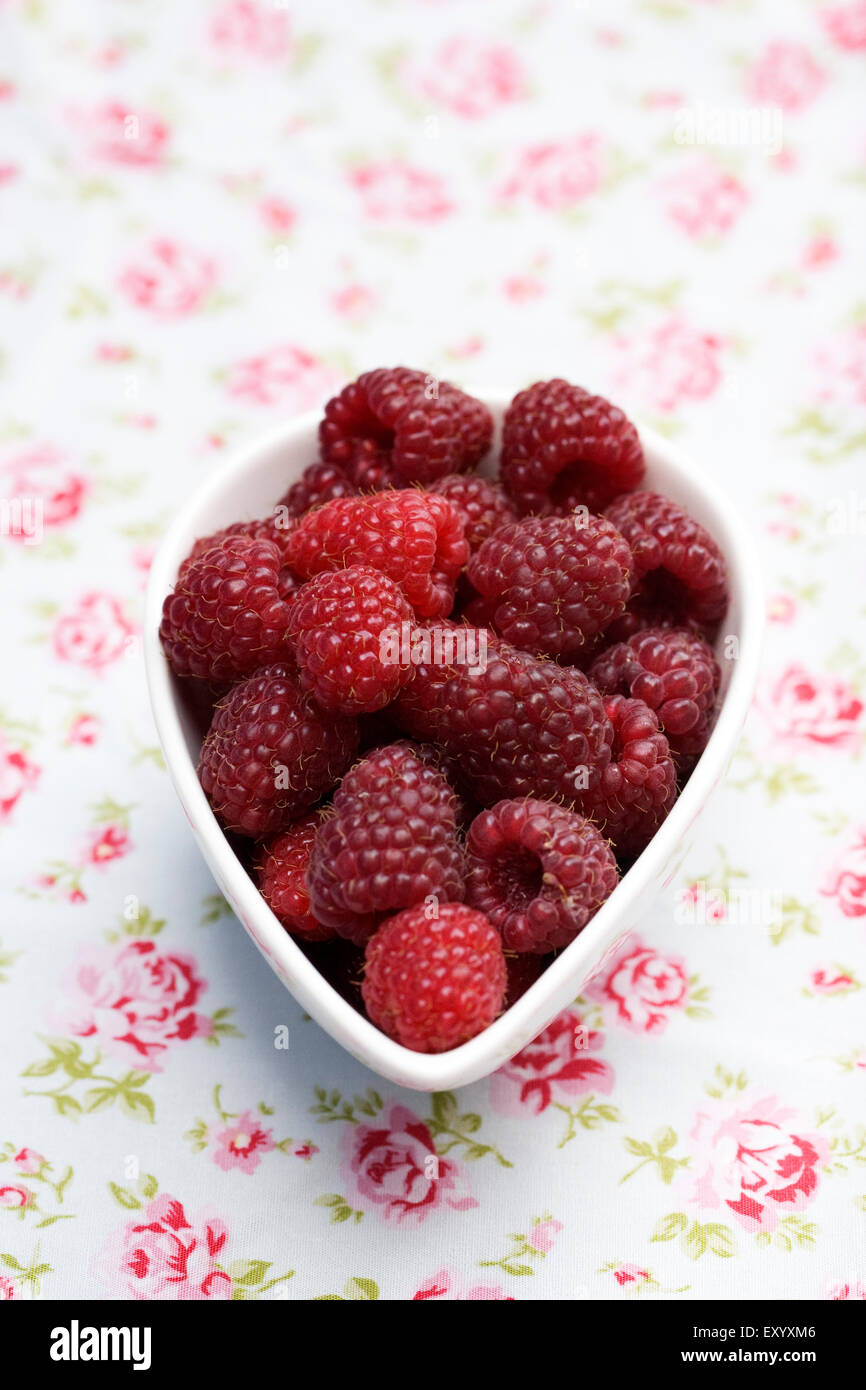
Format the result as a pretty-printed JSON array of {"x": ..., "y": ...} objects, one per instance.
[
  {"x": 41, "y": 475},
  {"x": 169, "y": 280},
  {"x": 277, "y": 215},
  {"x": 447, "y": 1286},
  {"x": 135, "y": 1001},
  {"x": 845, "y": 1290},
  {"x": 353, "y": 302},
  {"x": 702, "y": 199},
  {"x": 846, "y": 25},
  {"x": 781, "y": 608},
  {"x": 751, "y": 1159},
  {"x": 103, "y": 845},
  {"x": 123, "y": 136},
  {"x": 84, "y": 730},
  {"x": 808, "y": 711},
  {"x": 246, "y": 29},
  {"x": 630, "y": 1274},
  {"x": 15, "y": 1197},
  {"x": 675, "y": 364},
  {"x": 556, "y": 175},
  {"x": 93, "y": 634},
  {"x": 542, "y": 1235},
  {"x": 785, "y": 75},
  {"x": 395, "y": 1167},
  {"x": 829, "y": 979},
  {"x": 469, "y": 79},
  {"x": 241, "y": 1144},
  {"x": 555, "y": 1065},
  {"x": 846, "y": 880},
  {"x": 17, "y": 776},
  {"x": 28, "y": 1161},
  {"x": 644, "y": 987},
  {"x": 161, "y": 1254},
  {"x": 286, "y": 376},
  {"x": 841, "y": 367},
  {"x": 394, "y": 191},
  {"x": 7, "y": 1289}
]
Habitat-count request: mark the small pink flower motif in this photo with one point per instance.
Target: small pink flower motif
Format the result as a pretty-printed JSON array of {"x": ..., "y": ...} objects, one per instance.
[
  {"x": 41, "y": 474},
  {"x": 846, "y": 25},
  {"x": 630, "y": 1274},
  {"x": 106, "y": 844},
  {"x": 447, "y": 1286},
  {"x": 828, "y": 979},
  {"x": 809, "y": 711},
  {"x": 162, "y": 1254},
  {"x": 847, "y": 1289},
  {"x": 141, "y": 557},
  {"x": 353, "y": 302},
  {"x": 169, "y": 280},
  {"x": 846, "y": 880},
  {"x": 841, "y": 367},
  {"x": 246, "y": 29},
  {"x": 556, "y": 1066},
  {"x": 702, "y": 199},
  {"x": 17, "y": 776},
  {"x": 781, "y": 608},
  {"x": 7, "y": 1289},
  {"x": 754, "y": 1161},
  {"x": 94, "y": 633},
  {"x": 305, "y": 1151},
  {"x": 14, "y": 1196},
  {"x": 84, "y": 729},
  {"x": 8, "y": 172},
  {"x": 286, "y": 376},
  {"x": 113, "y": 352},
  {"x": 276, "y": 214},
  {"x": 395, "y": 191},
  {"x": 644, "y": 987},
  {"x": 676, "y": 363},
  {"x": 820, "y": 250},
  {"x": 29, "y": 1161},
  {"x": 543, "y": 1235},
  {"x": 241, "y": 1144},
  {"x": 134, "y": 1000},
  {"x": 521, "y": 288},
  {"x": 556, "y": 175},
  {"x": 394, "y": 1167},
  {"x": 785, "y": 75},
  {"x": 467, "y": 78},
  {"x": 121, "y": 135}
]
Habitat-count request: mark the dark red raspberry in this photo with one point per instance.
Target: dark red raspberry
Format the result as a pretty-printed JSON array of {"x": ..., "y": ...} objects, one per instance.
[
  {"x": 226, "y": 616},
  {"x": 434, "y": 982},
  {"x": 557, "y": 581},
  {"x": 521, "y": 973},
  {"x": 514, "y": 725},
  {"x": 562, "y": 447},
  {"x": 678, "y": 567},
  {"x": 415, "y": 538},
  {"x": 319, "y": 482},
  {"x": 482, "y": 503},
  {"x": 339, "y": 628},
  {"x": 538, "y": 871},
  {"x": 280, "y": 872},
  {"x": 390, "y": 843},
  {"x": 269, "y": 528},
  {"x": 271, "y": 753},
  {"x": 673, "y": 671},
  {"x": 639, "y": 786},
  {"x": 396, "y": 424}
]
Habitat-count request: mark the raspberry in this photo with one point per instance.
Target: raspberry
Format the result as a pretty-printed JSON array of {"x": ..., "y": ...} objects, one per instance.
[
  {"x": 434, "y": 983},
  {"x": 558, "y": 581},
  {"x": 337, "y": 628},
  {"x": 538, "y": 871},
  {"x": 319, "y": 482},
  {"x": 280, "y": 870},
  {"x": 677, "y": 565},
  {"x": 391, "y": 843},
  {"x": 639, "y": 786},
  {"x": 562, "y": 447},
  {"x": 521, "y": 973},
  {"x": 266, "y": 528},
  {"x": 483, "y": 505},
  {"x": 514, "y": 725},
  {"x": 271, "y": 753},
  {"x": 673, "y": 671},
  {"x": 226, "y": 616},
  {"x": 414, "y": 538},
  {"x": 388, "y": 426}
]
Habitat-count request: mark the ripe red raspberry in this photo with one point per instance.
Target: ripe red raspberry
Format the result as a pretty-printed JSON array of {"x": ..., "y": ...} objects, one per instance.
[
  {"x": 481, "y": 502},
  {"x": 562, "y": 447},
  {"x": 281, "y": 867},
  {"x": 538, "y": 871},
  {"x": 514, "y": 725},
  {"x": 319, "y": 482},
  {"x": 390, "y": 843},
  {"x": 271, "y": 753},
  {"x": 639, "y": 786},
  {"x": 673, "y": 671},
  {"x": 338, "y": 627},
  {"x": 414, "y": 538},
  {"x": 226, "y": 616},
  {"x": 677, "y": 565},
  {"x": 557, "y": 581},
  {"x": 521, "y": 973},
  {"x": 399, "y": 425},
  {"x": 434, "y": 982},
  {"x": 266, "y": 528}
]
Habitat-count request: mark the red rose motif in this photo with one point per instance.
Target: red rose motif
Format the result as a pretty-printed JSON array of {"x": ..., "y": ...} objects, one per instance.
[
  {"x": 846, "y": 880},
  {"x": 17, "y": 776},
  {"x": 556, "y": 175},
  {"x": 93, "y": 634},
  {"x": 112, "y": 842},
  {"x": 15, "y": 1197},
  {"x": 829, "y": 979},
  {"x": 84, "y": 730},
  {"x": 286, "y": 376},
  {"x": 169, "y": 280},
  {"x": 29, "y": 1161},
  {"x": 644, "y": 987},
  {"x": 161, "y": 1254},
  {"x": 467, "y": 78},
  {"x": 42, "y": 475},
  {"x": 394, "y": 191},
  {"x": 7, "y": 1289},
  {"x": 395, "y": 1167},
  {"x": 785, "y": 75},
  {"x": 809, "y": 711},
  {"x": 846, "y": 25},
  {"x": 556, "y": 1065},
  {"x": 448, "y": 1286},
  {"x": 136, "y": 1001},
  {"x": 118, "y": 135}
]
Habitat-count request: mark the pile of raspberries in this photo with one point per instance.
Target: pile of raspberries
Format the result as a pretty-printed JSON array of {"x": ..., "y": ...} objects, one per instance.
[{"x": 442, "y": 712}]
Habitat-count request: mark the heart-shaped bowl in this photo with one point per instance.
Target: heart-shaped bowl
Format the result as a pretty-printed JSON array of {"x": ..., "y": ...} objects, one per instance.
[{"x": 248, "y": 486}]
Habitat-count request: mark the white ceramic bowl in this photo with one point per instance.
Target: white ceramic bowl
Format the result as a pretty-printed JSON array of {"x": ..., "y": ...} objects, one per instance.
[{"x": 247, "y": 486}]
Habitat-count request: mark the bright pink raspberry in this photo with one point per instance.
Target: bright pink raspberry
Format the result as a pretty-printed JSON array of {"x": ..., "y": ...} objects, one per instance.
[
  {"x": 281, "y": 867},
  {"x": 538, "y": 871},
  {"x": 482, "y": 503},
  {"x": 677, "y": 565},
  {"x": 639, "y": 786}
]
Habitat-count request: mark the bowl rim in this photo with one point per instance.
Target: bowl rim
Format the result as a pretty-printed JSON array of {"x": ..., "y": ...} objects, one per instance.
[{"x": 584, "y": 956}]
